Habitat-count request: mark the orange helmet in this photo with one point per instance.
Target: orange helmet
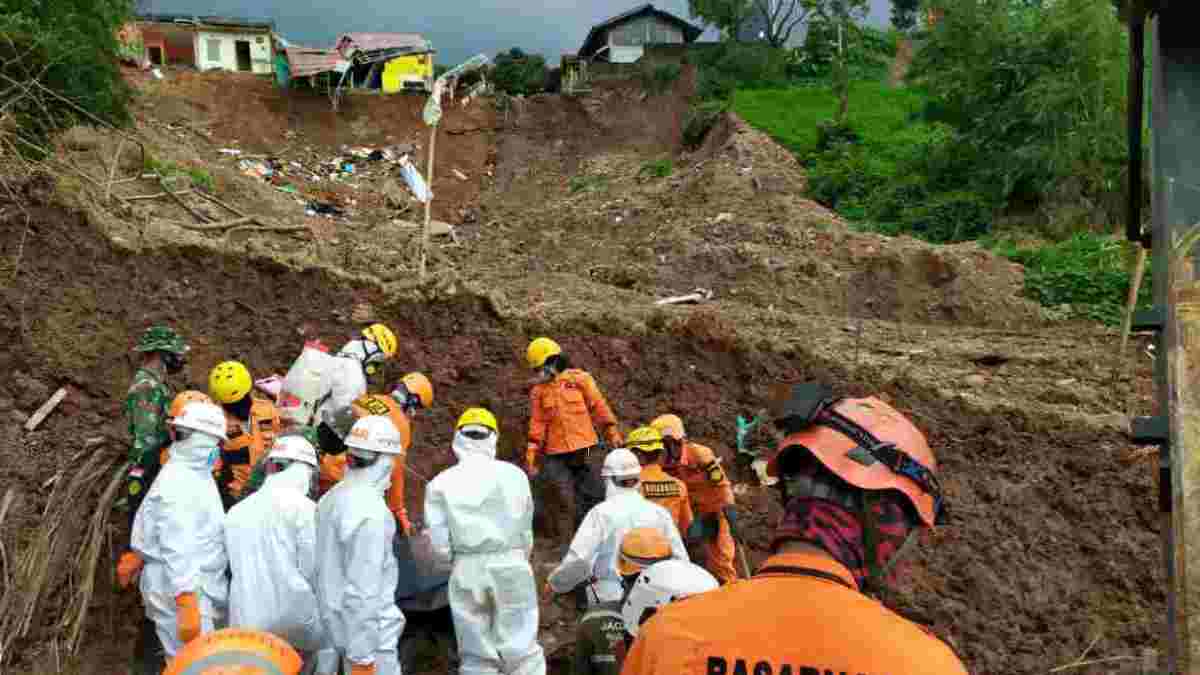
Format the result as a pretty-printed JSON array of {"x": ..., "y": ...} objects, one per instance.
[
  {"x": 236, "y": 650},
  {"x": 641, "y": 547},
  {"x": 418, "y": 385},
  {"x": 381, "y": 404},
  {"x": 184, "y": 398},
  {"x": 900, "y": 460},
  {"x": 670, "y": 426}
]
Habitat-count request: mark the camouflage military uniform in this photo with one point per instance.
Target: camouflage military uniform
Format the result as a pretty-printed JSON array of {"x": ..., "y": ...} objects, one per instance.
[{"x": 146, "y": 408}]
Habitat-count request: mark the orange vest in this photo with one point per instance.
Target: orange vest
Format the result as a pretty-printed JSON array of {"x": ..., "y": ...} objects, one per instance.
[
  {"x": 565, "y": 413},
  {"x": 802, "y": 613},
  {"x": 706, "y": 481},
  {"x": 333, "y": 467},
  {"x": 247, "y": 445},
  {"x": 669, "y": 493}
]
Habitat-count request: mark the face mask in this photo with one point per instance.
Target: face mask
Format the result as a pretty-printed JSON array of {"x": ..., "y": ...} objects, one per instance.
[{"x": 173, "y": 362}]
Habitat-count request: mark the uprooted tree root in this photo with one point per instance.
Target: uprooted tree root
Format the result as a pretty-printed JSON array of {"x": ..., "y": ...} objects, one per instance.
[{"x": 56, "y": 574}]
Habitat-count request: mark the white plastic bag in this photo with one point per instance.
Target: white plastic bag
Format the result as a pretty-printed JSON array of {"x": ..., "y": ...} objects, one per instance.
[{"x": 303, "y": 386}]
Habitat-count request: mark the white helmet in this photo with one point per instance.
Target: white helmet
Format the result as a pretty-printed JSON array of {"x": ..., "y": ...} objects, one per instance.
[
  {"x": 660, "y": 584},
  {"x": 621, "y": 463},
  {"x": 375, "y": 433},
  {"x": 294, "y": 448},
  {"x": 204, "y": 417}
]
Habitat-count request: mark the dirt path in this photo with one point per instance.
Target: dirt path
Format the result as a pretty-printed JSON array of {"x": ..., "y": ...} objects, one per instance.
[{"x": 902, "y": 62}]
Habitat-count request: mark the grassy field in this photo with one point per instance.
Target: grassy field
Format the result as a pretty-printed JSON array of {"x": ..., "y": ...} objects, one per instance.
[{"x": 881, "y": 114}]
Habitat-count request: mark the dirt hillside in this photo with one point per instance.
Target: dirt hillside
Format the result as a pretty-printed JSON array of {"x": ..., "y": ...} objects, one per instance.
[{"x": 1053, "y": 540}]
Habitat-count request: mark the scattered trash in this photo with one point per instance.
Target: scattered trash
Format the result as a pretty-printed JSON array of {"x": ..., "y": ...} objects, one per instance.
[
  {"x": 376, "y": 155},
  {"x": 415, "y": 181},
  {"x": 231, "y": 151},
  {"x": 697, "y": 296},
  {"x": 46, "y": 409},
  {"x": 459, "y": 175},
  {"x": 324, "y": 209},
  {"x": 348, "y": 167},
  {"x": 256, "y": 168},
  {"x": 290, "y": 189},
  {"x": 157, "y": 74}
]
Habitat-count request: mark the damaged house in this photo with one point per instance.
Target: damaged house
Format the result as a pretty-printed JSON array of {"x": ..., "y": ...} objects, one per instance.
[{"x": 202, "y": 42}]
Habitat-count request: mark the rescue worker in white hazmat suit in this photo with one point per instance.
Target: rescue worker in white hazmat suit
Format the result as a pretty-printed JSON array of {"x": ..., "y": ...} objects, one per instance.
[
  {"x": 593, "y": 552},
  {"x": 356, "y": 569},
  {"x": 480, "y": 515},
  {"x": 178, "y": 532},
  {"x": 344, "y": 376},
  {"x": 271, "y": 538}
]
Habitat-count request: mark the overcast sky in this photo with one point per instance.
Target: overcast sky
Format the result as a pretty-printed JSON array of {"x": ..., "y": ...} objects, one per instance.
[{"x": 459, "y": 29}]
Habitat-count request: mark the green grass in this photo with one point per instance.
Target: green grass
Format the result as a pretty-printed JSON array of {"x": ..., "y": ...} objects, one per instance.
[
  {"x": 877, "y": 112},
  {"x": 659, "y": 168},
  {"x": 1090, "y": 273}
]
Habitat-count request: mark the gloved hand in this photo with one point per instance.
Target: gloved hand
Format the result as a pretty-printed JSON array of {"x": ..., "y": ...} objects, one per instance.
[
  {"x": 362, "y": 669},
  {"x": 531, "y": 460},
  {"x": 405, "y": 526},
  {"x": 613, "y": 435},
  {"x": 129, "y": 569},
  {"x": 731, "y": 515},
  {"x": 187, "y": 617}
]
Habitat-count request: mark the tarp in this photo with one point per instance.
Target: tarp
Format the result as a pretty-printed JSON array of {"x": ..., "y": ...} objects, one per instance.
[
  {"x": 423, "y": 581},
  {"x": 305, "y": 61},
  {"x": 432, "y": 114}
]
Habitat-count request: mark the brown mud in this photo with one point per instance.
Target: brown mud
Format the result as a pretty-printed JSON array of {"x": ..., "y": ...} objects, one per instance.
[{"x": 1053, "y": 539}]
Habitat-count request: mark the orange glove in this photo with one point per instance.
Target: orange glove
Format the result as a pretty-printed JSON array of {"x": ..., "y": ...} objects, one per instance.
[
  {"x": 129, "y": 569},
  {"x": 531, "y": 460},
  {"x": 358, "y": 669},
  {"x": 406, "y": 527},
  {"x": 613, "y": 435},
  {"x": 187, "y": 617}
]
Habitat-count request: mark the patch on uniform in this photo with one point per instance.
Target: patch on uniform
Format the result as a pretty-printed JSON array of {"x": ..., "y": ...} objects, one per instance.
[
  {"x": 715, "y": 473},
  {"x": 657, "y": 489},
  {"x": 374, "y": 406}
]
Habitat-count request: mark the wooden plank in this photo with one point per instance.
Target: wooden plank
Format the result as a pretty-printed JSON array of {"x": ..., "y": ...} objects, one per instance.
[{"x": 46, "y": 409}]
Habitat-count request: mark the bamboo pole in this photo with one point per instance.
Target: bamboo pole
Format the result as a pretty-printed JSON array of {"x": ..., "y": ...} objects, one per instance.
[
  {"x": 428, "y": 203},
  {"x": 1139, "y": 271}
]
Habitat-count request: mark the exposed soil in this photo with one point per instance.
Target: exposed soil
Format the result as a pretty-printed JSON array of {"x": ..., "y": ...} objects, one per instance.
[{"x": 1053, "y": 539}]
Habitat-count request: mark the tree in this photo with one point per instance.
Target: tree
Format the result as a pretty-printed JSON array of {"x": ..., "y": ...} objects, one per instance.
[
  {"x": 781, "y": 17},
  {"x": 904, "y": 13},
  {"x": 841, "y": 14},
  {"x": 726, "y": 15},
  {"x": 516, "y": 72}
]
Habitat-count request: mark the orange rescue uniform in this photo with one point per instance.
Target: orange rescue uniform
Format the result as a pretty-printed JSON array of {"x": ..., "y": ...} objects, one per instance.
[
  {"x": 333, "y": 467},
  {"x": 564, "y": 415},
  {"x": 710, "y": 491},
  {"x": 669, "y": 493},
  {"x": 248, "y": 443},
  {"x": 801, "y": 615}
]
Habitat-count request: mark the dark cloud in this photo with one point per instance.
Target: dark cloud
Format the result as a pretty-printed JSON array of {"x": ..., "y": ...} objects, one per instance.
[{"x": 459, "y": 29}]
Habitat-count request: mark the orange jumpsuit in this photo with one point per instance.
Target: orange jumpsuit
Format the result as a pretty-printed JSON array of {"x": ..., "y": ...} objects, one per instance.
[
  {"x": 802, "y": 614},
  {"x": 564, "y": 415},
  {"x": 333, "y": 467},
  {"x": 710, "y": 490},
  {"x": 669, "y": 493},
  {"x": 248, "y": 443}
]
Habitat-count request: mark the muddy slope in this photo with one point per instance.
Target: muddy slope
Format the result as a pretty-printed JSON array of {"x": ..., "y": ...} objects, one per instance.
[{"x": 1052, "y": 544}]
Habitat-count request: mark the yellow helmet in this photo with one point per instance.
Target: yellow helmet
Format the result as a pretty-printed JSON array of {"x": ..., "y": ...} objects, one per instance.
[
  {"x": 540, "y": 350},
  {"x": 383, "y": 337},
  {"x": 641, "y": 547},
  {"x": 669, "y": 426},
  {"x": 229, "y": 381},
  {"x": 480, "y": 417},
  {"x": 644, "y": 439}
]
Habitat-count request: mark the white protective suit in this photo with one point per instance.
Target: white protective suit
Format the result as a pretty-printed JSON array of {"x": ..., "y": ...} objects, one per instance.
[
  {"x": 271, "y": 538},
  {"x": 178, "y": 531},
  {"x": 480, "y": 515},
  {"x": 357, "y": 571},
  {"x": 594, "y": 550},
  {"x": 342, "y": 380}
]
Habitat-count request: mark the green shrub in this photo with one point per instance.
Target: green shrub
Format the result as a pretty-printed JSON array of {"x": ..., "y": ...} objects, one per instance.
[
  {"x": 700, "y": 120},
  {"x": 732, "y": 66},
  {"x": 949, "y": 217},
  {"x": 659, "y": 168},
  {"x": 517, "y": 73},
  {"x": 1089, "y": 272},
  {"x": 659, "y": 80},
  {"x": 581, "y": 183}
]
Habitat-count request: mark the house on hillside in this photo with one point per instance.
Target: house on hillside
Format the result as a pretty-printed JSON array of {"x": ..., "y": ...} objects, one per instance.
[
  {"x": 624, "y": 38},
  {"x": 202, "y": 42},
  {"x": 390, "y": 62}
]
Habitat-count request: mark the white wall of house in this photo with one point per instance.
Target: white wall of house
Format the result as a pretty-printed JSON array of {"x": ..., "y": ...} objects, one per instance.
[
  {"x": 219, "y": 51},
  {"x": 627, "y": 40}
]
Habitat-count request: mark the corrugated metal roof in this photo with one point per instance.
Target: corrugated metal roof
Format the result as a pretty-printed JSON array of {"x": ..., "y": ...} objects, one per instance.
[
  {"x": 303, "y": 62},
  {"x": 369, "y": 42}
]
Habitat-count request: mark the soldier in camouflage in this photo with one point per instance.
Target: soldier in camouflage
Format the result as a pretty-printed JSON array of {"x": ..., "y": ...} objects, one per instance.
[{"x": 163, "y": 353}]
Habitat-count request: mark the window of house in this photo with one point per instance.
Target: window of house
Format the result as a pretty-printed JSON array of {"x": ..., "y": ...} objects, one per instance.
[{"x": 214, "y": 50}]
